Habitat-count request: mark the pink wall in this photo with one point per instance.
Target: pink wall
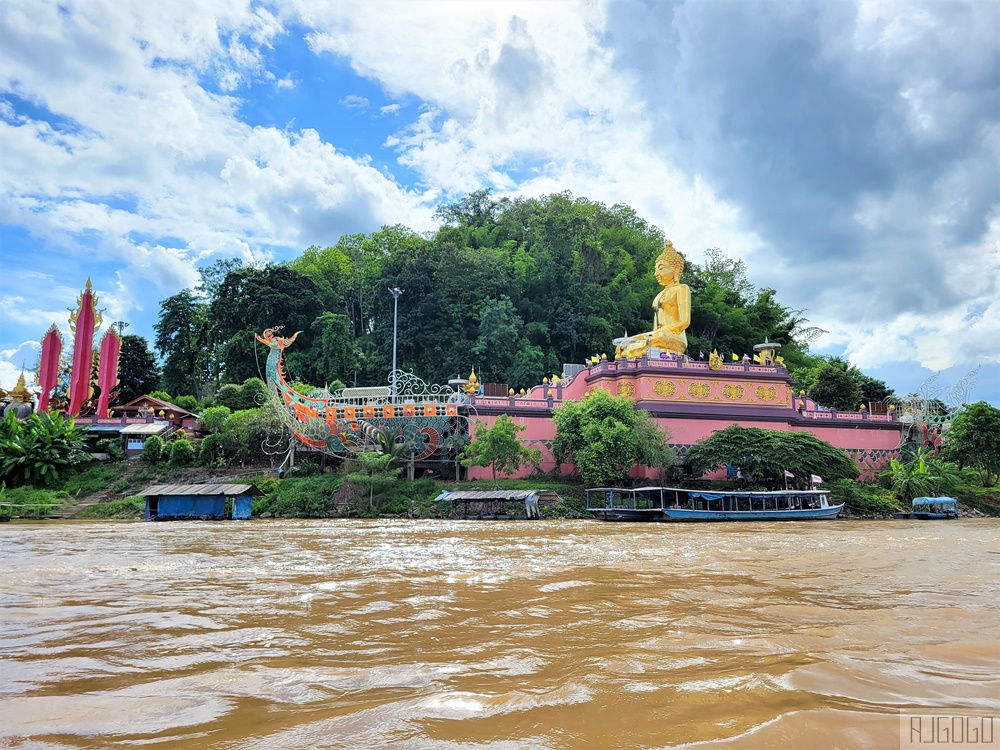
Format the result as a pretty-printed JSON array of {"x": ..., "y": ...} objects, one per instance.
[{"x": 690, "y": 401}]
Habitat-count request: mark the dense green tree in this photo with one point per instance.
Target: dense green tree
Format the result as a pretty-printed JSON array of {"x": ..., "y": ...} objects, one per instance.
[
  {"x": 335, "y": 354},
  {"x": 836, "y": 389},
  {"x": 498, "y": 447},
  {"x": 764, "y": 455},
  {"x": 214, "y": 418},
  {"x": 138, "y": 373},
  {"x": 229, "y": 397},
  {"x": 606, "y": 437},
  {"x": 974, "y": 440},
  {"x": 213, "y": 276},
  {"x": 182, "y": 341},
  {"x": 513, "y": 286}
]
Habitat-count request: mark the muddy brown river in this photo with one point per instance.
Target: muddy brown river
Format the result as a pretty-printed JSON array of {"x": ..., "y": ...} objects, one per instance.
[{"x": 501, "y": 635}]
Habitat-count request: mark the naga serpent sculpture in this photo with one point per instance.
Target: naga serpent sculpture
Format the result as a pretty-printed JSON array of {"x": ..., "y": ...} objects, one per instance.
[{"x": 345, "y": 422}]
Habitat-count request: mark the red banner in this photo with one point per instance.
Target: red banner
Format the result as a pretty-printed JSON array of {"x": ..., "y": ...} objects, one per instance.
[
  {"x": 107, "y": 378},
  {"x": 83, "y": 322},
  {"x": 48, "y": 371}
]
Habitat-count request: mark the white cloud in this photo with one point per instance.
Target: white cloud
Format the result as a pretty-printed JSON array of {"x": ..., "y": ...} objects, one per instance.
[{"x": 353, "y": 101}]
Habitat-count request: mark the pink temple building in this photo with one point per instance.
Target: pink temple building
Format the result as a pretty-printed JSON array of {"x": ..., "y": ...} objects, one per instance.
[{"x": 691, "y": 400}]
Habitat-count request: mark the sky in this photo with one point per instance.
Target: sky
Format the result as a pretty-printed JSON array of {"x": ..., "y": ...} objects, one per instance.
[{"x": 848, "y": 151}]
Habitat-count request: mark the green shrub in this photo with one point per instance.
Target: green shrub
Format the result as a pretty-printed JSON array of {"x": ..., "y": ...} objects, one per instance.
[
  {"x": 210, "y": 450},
  {"x": 152, "y": 450},
  {"x": 181, "y": 453},
  {"x": 214, "y": 418},
  {"x": 303, "y": 497},
  {"x": 113, "y": 447},
  {"x": 864, "y": 499}
]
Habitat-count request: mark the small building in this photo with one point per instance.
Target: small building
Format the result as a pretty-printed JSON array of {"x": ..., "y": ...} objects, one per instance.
[
  {"x": 134, "y": 436},
  {"x": 178, "y": 417},
  {"x": 206, "y": 502}
]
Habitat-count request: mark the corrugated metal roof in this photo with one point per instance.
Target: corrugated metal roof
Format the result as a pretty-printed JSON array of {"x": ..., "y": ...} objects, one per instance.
[
  {"x": 145, "y": 429},
  {"x": 474, "y": 495},
  {"x": 201, "y": 489}
]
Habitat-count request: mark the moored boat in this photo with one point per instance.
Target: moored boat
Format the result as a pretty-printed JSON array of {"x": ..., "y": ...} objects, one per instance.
[
  {"x": 674, "y": 504},
  {"x": 932, "y": 509}
]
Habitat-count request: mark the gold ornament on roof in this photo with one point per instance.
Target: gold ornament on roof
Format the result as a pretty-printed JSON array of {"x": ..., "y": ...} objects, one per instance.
[
  {"x": 473, "y": 385},
  {"x": 714, "y": 360}
]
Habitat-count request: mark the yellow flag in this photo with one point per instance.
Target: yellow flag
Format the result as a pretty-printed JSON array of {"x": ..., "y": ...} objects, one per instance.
[
  {"x": 756, "y": 358},
  {"x": 735, "y": 358}
]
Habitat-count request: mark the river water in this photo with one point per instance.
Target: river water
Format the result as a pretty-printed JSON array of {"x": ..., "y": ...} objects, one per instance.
[{"x": 448, "y": 634}]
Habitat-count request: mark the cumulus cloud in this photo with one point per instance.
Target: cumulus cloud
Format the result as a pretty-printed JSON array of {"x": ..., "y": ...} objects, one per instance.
[
  {"x": 123, "y": 151},
  {"x": 848, "y": 151}
]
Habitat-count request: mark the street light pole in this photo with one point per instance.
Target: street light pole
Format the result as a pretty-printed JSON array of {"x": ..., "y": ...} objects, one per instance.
[{"x": 395, "y": 292}]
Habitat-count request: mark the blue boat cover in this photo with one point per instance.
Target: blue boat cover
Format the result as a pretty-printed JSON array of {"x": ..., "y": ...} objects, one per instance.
[
  {"x": 708, "y": 495},
  {"x": 934, "y": 500}
]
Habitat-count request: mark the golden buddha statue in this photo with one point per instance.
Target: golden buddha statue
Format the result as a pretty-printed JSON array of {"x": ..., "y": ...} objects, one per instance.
[{"x": 671, "y": 311}]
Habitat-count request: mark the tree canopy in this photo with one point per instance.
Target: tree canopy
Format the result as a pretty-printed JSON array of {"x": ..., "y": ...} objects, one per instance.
[
  {"x": 515, "y": 287},
  {"x": 763, "y": 456},
  {"x": 606, "y": 437},
  {"x": 974, "y": 440}
]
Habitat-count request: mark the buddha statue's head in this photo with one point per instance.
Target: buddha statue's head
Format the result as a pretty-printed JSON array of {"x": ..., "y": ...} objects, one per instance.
[{"x": 669, "y": 265}]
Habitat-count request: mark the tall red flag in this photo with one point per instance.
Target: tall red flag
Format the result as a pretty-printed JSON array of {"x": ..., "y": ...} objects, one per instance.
[
  {"x": 83, "y": 321},
  {"x": 107, "y": 378},
  {"x": 48, "y": 371}
]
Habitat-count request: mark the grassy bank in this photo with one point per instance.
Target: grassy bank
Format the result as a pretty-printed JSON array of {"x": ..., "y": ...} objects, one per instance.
[{"x": 315, "y": 494}]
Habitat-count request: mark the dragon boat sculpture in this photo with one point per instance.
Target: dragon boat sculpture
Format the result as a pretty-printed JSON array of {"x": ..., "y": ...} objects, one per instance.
[{"x": 422, "y": 418}]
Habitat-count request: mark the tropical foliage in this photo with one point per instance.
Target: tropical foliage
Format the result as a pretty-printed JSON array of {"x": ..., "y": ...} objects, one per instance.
[
  {"x": 606, "y": 437},
  {"x": 920, "y": 474},
  {"x": 763, "y": 456},
  {"x": 38, "y": 450}
]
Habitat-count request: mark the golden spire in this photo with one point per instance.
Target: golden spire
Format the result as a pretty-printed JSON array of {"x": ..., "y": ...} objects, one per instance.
[{"x": 20, "y": 392}]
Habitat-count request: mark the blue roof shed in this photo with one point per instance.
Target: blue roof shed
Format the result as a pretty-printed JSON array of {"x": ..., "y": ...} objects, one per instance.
[{"x": 174, "y": 502}]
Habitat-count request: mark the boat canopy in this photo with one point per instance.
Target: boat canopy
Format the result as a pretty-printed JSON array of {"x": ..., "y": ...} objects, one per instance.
[{"x": 934, "y": 501}]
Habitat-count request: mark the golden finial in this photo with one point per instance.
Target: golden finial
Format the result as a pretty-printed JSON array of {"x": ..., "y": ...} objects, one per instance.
[
  {"x": 523, "y": 391},
  {"x": 510, "y": 392},
  {"x": 545, "y": 380}
]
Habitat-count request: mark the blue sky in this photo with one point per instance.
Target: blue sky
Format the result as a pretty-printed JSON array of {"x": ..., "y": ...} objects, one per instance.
[{"x": 848, "y": 152}]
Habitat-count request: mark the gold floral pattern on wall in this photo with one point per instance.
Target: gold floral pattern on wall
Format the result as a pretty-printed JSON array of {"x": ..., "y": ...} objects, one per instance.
[
  {"x": 733, "y": 392},
  {"x": 665, "y": 388},
  {"x": 766, "y": 393},
  {"x": 699, "y": 390},
  {"x": 626, "y": 389}
]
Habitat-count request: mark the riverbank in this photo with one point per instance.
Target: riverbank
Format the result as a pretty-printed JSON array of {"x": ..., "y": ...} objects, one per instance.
[{"x": 111, "y": 491}]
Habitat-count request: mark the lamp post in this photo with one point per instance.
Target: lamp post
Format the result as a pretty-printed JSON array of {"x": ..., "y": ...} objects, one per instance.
[{"x": 395, "y": 292}]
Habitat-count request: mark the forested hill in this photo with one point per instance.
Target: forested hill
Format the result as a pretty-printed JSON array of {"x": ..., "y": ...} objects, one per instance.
[{"x": 512, "y": 287}]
